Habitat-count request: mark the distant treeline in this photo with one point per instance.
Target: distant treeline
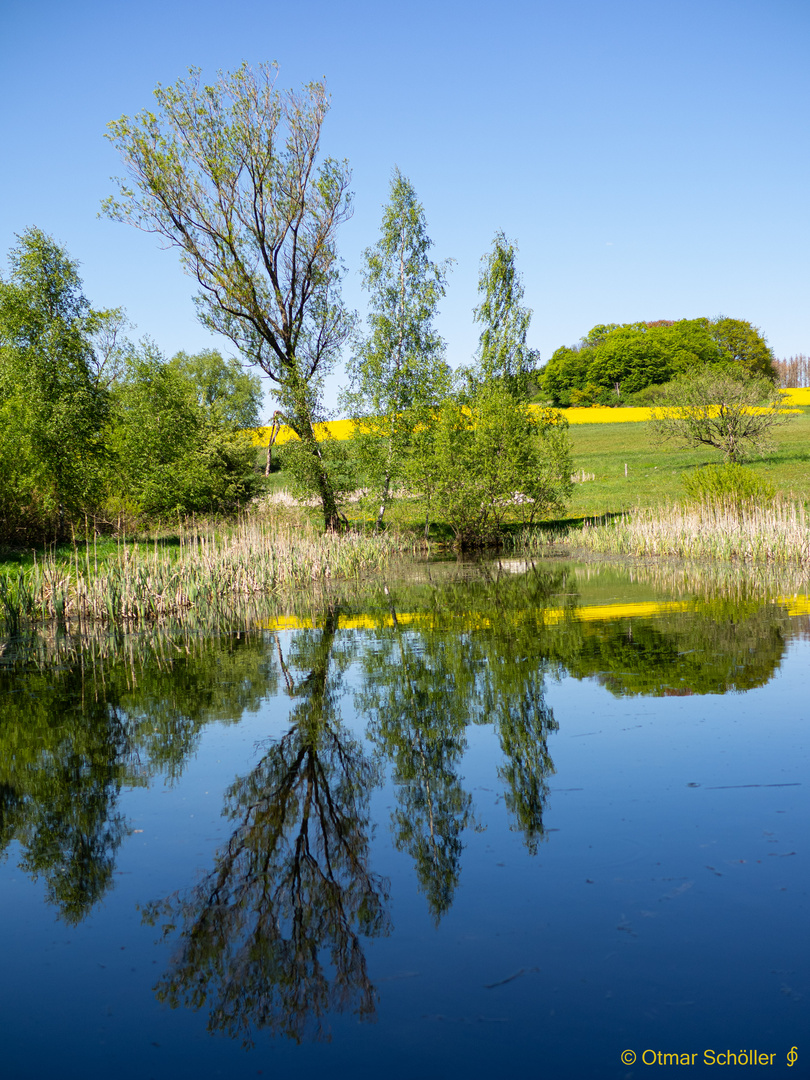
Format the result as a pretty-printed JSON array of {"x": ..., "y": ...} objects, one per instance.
[
  {"x": 793, "y": 372},
  {"x": 628, "y": 363}
]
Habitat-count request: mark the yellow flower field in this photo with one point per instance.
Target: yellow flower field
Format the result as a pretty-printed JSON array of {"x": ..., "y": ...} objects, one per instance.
[{"x": 342, "y": 429}]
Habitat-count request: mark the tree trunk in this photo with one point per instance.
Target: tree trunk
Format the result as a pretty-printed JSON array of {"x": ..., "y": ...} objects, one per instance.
[
  {"x": 274, "y": 430},
  {"x": 383, "y": 500},
  {"x": 332, "y": 521}
]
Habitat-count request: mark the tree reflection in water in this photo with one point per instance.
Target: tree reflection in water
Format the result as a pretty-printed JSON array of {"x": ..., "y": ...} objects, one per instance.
[
  {"x": 83, "y": 718},
  {"x": 271, "y": 937},
  {"x": 417, "y": 717}
]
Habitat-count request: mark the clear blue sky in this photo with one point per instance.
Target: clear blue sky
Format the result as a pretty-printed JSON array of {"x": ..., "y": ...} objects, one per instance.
[{"x": 650, "y": 157}]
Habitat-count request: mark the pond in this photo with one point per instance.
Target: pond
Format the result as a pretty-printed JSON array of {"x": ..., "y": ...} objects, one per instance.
[{"x": 542, "y": 819}]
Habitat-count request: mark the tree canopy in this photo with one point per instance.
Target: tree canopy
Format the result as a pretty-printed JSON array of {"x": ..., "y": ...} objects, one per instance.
[
  {"x": 502, "y": 351},
  {"x": 613, "y": 363},
  {"x": 222, "y": 387},
  {"x": 95, "y": 427},
  {"x": 52, "y": 410},
  {"x": 231, "y": 174}
]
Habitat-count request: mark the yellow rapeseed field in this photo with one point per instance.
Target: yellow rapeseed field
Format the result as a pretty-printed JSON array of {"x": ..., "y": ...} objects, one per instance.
[{"x": 597, "y": 414}]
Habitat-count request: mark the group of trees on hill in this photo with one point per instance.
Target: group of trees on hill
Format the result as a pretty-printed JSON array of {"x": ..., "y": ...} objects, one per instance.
[
  {"x": 625, "y": 364},
  {"x": 711, "y": 382},
  {"x": 92, "y": 426}
]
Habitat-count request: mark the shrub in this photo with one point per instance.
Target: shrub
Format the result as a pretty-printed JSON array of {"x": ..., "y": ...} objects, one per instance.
[
  {"x": 496, "y": 460},
  {"x": 729, "y": 483}
]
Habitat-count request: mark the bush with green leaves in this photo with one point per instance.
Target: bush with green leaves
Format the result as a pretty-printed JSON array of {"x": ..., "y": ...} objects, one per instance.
[
  {"x": 722, "y": 408},
  {"x": 495, "y": 461},
  {"x": 172, "y": 454},
  {"x": 730, "y": 484}
]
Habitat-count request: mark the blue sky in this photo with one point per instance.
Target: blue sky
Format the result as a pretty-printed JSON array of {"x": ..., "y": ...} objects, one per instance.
[{"x": 650, "y": 157}]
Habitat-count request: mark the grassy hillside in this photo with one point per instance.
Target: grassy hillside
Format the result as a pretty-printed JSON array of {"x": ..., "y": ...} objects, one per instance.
[{"x": 654, "y": 472}]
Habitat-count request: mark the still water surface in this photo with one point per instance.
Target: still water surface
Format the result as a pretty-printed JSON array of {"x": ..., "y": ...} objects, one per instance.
[{"x": 499, "y": 820}]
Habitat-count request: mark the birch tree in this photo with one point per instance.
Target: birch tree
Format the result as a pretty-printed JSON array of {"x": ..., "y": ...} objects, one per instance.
[
  {"x": 398, "y": 372},
  {"x": 503, "y": 355}
]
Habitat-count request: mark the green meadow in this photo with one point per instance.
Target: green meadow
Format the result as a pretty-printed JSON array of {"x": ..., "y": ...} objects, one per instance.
[{"x": 654, "y": 474}]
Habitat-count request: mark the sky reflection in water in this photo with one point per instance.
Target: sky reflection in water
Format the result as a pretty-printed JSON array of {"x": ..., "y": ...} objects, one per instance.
[{"x": 499, "y": 819}]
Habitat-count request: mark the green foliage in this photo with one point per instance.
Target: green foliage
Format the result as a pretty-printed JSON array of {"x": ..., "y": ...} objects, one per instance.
[
  {"x": 398, "y": 372},
  {"x": 173, "y": 454},
  {"x": 231, "y": 174},
  {"x": 232, "y": 396},
  {"x": 502, "y": 351},
  {"x": 52, "y": 409},
  {"x": 565, "y": 373},
  {"x": 80, "y": 720},
  {"x": 728, "y": 483},
  {"x": 497, "y": 460},
  {"x": 303, "y": 470},
  {"x": 613, "y": 364},
  {"x": 721, "y": 407},
  {"x": 742, "y": 344}
]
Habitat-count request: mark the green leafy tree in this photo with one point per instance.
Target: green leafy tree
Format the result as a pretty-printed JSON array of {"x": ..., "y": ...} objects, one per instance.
[
  {"x": 496, "y": 459},
  {"x": 566, "y": 374},
  {"x": 398, "y": 372},
  {"x": 52, "y": 410},
  {"x": 743, "y": 344},
  {"x": 721, "y": 408},
  {"x": 171, "y": 453},
  {"x": 232, "y": 396},
  {"x": 231, "y": 174},
  {"x": 502, "y": 351},
  {"x": 110, "y": 346},
  {"x": 614, "y": 364}
]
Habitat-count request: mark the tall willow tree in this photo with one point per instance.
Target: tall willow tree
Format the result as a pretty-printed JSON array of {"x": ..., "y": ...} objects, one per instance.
[
  {"x": 503, "y": 355},
  {"x": 231, "y": 175},
  {"x": 398, "y": 371}
]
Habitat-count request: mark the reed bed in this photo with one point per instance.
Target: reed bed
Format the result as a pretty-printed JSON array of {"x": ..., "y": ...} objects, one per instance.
[
  {"x": 207, "y": 571},
  {"x": 778, "y": 533}
]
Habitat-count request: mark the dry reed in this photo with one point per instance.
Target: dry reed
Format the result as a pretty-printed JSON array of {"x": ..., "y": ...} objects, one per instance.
[
  {"x": 208, "y": 570},
  {"x": 727, "y": 530}
]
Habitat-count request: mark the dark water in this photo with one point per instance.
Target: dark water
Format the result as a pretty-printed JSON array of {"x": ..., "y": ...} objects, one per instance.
[{"x": 499, "y": 821}]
